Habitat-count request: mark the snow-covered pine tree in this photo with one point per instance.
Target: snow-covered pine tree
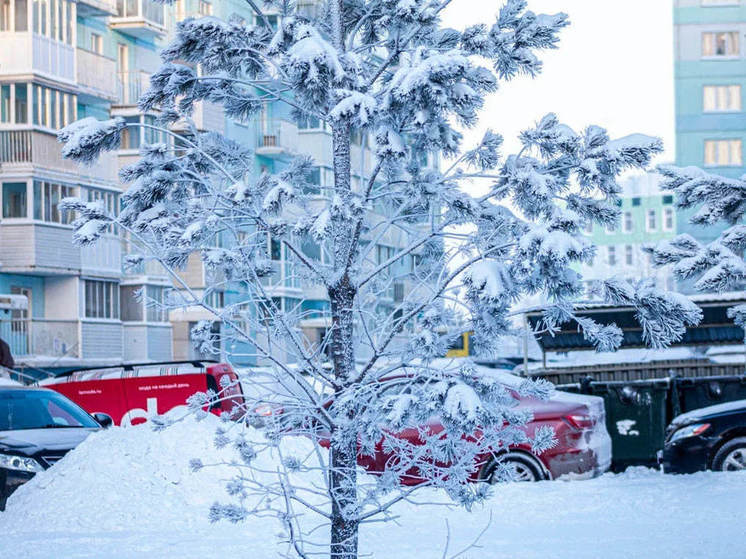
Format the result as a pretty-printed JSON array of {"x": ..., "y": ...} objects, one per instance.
[
  {"x": 389, "y": 70},
  {"x": 719, "y": 265}
]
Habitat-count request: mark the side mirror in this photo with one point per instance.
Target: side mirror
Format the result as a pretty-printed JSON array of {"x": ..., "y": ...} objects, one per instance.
[{"x": 103, "y": 419}]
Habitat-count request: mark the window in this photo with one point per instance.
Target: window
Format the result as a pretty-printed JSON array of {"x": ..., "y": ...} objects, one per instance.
[
  {"x": 724, "y": 43},
  {"x": 109, "y": 200},
  {"x": 54, "y": 19},
  {"x": 132, "y": 307},
  {"x": 611, "y": 255},
  {"x": 629, "y": 257},
  {"x": 9, "y": 15},
  {"x": 215, "y": 299},
  {"x": 384, "y": 253},
  {"x": 723, "y": 153},
  {"x": 47, "y": 197},
  {"x": 131, "y": 135},
  {"x": 650, "y": 222},
  {"x": 611, "y": 228},
  {"x": 205, "y": 8},
  {"x": 101, "y": 299},
  {"x": 668, "y": 219},
  {"x": 635, "y": 202},
  {"x": 5, "y": 103},
  {"x": 5, "y": 23},
  {"x": 97, "y": 43},
  {"x": 14, "y": 103},
  {"x": 668, "y": 199},
  {"x": 14, "y": 199},
  {"x": 721, "y": 98},
  {"x": 21, "y": 103},
  {"x": 52, "y": 108},
  {"x": 154, "y": 303},
  {"x": 627, "y": 222}
]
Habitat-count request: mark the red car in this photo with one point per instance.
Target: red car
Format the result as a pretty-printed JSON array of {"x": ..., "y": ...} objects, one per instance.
[
  {"x": 130, "y": 394},
  {"x": 583, "y": 448}
]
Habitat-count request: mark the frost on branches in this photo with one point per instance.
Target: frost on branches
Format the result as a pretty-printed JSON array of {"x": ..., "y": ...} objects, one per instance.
[
  {"x": 719, "y": 265},
  {"x": 389, "y": 71}
]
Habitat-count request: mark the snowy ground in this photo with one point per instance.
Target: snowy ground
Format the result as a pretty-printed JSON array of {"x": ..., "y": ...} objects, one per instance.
[{"x": 130, "y": 493}]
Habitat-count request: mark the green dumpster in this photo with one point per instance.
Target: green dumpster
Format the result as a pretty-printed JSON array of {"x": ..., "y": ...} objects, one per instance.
[
  {"x": 689, "y": 394},
  {"x": 636, "y": 417}
]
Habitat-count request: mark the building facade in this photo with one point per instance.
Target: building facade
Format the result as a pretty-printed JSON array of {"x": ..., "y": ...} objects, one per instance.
[
  {"x": 710, "y": 77},
  {"x": 648, "y": 216},
  {"x": 60, "y": 61}
]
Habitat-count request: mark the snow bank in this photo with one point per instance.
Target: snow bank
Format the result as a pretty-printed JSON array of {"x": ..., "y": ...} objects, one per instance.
[
  {"x": 129, "y": 493},
  {"x": 122, "y": 478}
]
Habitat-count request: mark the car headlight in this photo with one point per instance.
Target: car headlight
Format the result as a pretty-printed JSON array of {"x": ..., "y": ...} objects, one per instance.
[
  {"x": 20, "y": 463},
  {"x": 690, "y": 431}
]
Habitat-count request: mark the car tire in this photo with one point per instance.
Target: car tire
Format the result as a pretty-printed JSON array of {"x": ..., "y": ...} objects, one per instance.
[
  {"x": 731, "y": 457},
  {"x": 525, "y": 467}
]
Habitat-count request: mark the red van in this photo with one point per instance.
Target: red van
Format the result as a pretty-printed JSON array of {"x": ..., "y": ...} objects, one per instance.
[{"x": 132, "y": 393}]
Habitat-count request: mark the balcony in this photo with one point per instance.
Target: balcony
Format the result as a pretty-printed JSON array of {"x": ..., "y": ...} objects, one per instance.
[
  {"x": 94, "y": 8},
  {"x": 40, "y": 248},
  {"x": 207, "y": 116},
  {"x": 143, "y": 19},
  {"x": 96, "y": 75},
  {"x": 284, "y": 278},
  {"x": 41, "y": 338},
  {"x": 130, "y": 85},
  {"x": 277, "y": 138},
  {"x": 25, "y": 53},
  {"x": 23, "y": 150},
  {"x": 104, "y": 258}
]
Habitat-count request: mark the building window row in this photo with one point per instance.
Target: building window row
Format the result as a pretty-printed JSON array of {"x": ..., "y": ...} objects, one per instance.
[
  {"x": 50, "y": 108},
  {"x": 651, "y": 220},
  {"x": 723, "y": 153}
]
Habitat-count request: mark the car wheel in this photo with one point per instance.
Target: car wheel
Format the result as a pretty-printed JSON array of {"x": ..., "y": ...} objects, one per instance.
[
  {"x": 521, "y": 468},
  {"x": 731, "y": 457}
]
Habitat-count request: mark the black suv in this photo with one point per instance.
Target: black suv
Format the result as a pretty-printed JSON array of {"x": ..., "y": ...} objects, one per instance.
[
  {"x": 707, "y": 438},
  {"x": 37, "y": 428}
]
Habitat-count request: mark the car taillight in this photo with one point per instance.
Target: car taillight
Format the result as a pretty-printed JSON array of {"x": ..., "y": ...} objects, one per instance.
[
  {"x": 265, "y": 410},
  {"x": 579, "y": 422}
]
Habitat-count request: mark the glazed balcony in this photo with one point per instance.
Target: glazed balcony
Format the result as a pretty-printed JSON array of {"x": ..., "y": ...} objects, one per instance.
[
  {"x": 23, "y": 150},
  {"x": 277, "y": 138},
  {"x": 96, "y": 75},
  {"x": 143, "y": 19},
  {"x": 130, "y": 85},
  {"x": 26, "y": 53}
]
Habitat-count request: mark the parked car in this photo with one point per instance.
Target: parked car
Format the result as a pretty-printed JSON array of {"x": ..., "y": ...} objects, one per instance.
[
  {"x": 711, "y": 438},
  {"x": 132, "y": 393},
  {"x": 583, "y": 449},
  {"x": 37, "y": 428}
]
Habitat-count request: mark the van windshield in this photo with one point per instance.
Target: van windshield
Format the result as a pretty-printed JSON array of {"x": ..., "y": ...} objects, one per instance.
[{"x": 40, "y": 409}]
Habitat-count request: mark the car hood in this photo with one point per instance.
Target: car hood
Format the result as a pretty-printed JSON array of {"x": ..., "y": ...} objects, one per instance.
[
  {"x": 31, "y": 441},
  {"x": 736, "y": 407}
]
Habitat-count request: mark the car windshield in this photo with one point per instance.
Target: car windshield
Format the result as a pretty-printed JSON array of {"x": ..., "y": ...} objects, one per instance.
[{"x": 40, "y": 409}]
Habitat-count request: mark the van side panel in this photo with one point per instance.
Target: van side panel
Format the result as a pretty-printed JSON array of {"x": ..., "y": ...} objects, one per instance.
[
  {"x": 146, "y": 396},
  {"x": 103, "y": 395}
]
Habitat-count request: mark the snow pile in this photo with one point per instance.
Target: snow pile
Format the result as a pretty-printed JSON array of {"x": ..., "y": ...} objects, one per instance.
[
  {"x": 122, "y": 478},
  {"x": 130, "y": 493},
  {"x": 8, "y": 382}
]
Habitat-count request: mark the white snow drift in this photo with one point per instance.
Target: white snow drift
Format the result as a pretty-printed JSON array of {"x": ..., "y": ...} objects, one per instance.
[{"x": 128, "y": 493}]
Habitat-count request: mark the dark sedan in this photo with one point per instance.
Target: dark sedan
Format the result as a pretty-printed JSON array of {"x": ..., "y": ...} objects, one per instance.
[
  {"x": 37, "y": 428},
  {"x": 712, "y": 438}
]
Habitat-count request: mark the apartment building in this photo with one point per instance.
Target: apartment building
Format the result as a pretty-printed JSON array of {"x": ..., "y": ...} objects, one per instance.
[
  {"x": 648, "y": 216},
  {"x": 710, "y": 76},
  {"x": 64, "y": 60}
]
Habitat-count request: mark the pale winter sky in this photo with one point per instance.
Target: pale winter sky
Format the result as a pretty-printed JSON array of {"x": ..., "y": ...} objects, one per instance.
[{"x": 614, "y": 68}]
